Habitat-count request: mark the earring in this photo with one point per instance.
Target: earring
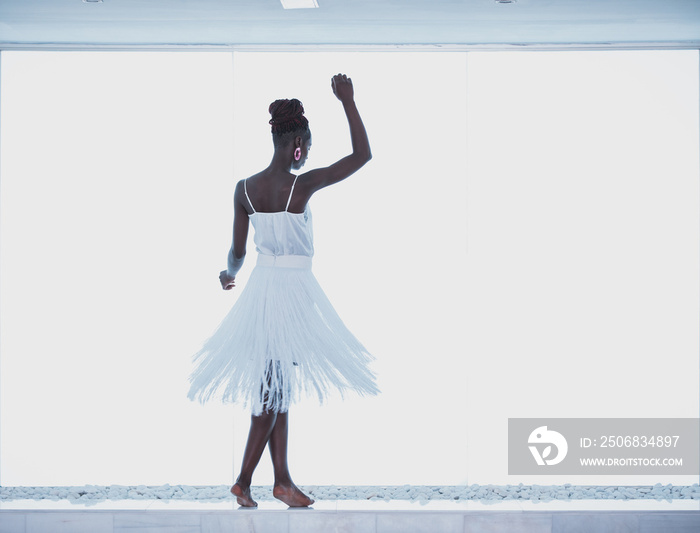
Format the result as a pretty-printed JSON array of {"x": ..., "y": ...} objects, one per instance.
[{"x": 297, "y": 154}]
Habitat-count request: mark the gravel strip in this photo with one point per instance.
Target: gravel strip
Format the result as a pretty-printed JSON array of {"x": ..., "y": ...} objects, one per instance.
[{"x": 417, "y": 493}]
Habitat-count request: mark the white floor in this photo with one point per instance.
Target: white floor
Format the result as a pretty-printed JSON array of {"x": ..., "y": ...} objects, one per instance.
[{"x": 154, "y": 516}]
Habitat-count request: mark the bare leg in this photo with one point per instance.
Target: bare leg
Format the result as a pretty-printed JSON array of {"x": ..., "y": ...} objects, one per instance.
[
  {"x": 284, "y": 489},
  {"x": 260, "y": 431}
]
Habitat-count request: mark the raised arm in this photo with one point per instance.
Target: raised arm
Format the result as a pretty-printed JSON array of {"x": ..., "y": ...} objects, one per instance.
[
  {"x": 236, "y": 254},
  {"x": 322, "y": 177}
]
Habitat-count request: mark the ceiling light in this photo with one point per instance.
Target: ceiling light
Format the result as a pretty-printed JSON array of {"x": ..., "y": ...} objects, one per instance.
[
  {"x": 506, "y": 1},
  {"x": 92, "y": 1},
  {"x": 298, "y": 4}
]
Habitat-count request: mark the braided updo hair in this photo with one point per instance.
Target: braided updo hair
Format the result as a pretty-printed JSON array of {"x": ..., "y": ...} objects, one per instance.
[{"x": 288, "y": 121}]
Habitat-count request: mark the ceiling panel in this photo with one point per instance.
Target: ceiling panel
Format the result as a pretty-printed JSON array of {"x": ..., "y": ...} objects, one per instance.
[{"x": 347, "y": 22}]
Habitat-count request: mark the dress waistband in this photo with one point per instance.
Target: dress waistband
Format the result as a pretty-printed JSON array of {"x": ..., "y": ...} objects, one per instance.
[{"x": 284, "y": 261}]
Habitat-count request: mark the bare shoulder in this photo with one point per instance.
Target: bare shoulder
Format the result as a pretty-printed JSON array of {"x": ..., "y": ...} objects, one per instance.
[
  {"x": 241, "y": 184},
  {"x": 308, "y": 182},
  {"x": 239, "y": 190},
  {"x": 313, "y": 180},
  {"x": 306, "y": 177},
  {"x": 240, "y": 203}
]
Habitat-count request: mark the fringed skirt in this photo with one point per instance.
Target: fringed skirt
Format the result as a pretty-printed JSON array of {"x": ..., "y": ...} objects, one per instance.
[{"x": 282, "y": 338}]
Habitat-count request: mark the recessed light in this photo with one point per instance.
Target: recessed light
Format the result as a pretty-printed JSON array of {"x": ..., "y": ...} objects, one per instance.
[
  {"x": 92, "y": 1},
  {"x": 298, "y": 4},
  {"x": 506, "y": 1}
]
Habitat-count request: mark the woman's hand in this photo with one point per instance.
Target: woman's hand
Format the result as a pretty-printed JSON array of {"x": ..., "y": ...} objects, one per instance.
[
  {"x": 342, "y": 87},
  {"x": 227, "y": 283}
]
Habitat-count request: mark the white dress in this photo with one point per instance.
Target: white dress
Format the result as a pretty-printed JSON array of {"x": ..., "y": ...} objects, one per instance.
[{"x": 282, "y": 337}]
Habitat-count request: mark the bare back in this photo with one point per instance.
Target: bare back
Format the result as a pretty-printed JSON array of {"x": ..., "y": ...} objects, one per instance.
[{"x": 270, "y": 194}]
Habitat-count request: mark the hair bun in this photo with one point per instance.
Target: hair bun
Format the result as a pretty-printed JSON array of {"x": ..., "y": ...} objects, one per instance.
[{"x": 287, "y": 115}]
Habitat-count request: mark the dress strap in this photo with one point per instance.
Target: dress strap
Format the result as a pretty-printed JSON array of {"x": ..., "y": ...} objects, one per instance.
[
  {"x": 245, "y": 189},
  {"x": 290, "y": 193}
]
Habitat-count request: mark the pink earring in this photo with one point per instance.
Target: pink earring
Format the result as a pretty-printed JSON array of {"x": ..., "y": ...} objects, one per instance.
[{"x": 297, "y": 154}]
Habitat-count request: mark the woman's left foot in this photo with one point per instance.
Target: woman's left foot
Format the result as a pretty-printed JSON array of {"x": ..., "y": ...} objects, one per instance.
[
  {"x": 242, "y": 495},
  {"x": 291, "y": 495}
]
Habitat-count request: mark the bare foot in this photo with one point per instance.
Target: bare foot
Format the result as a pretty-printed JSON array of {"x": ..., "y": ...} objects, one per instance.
[
  {"x": 243, "y": 496},
  {"x": 291, "y": 495}
]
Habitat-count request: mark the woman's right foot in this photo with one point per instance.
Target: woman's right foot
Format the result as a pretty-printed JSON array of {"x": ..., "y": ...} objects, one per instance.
[
  {"x": 291, "y": 495},
  {"x": 243, "y": 496}
]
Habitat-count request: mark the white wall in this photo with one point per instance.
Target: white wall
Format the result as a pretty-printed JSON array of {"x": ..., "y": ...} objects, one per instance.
[
  {"x": 527, "y": 246},
  {"x": 111, "y": 167},
  {"x": 583, "y": 221}
]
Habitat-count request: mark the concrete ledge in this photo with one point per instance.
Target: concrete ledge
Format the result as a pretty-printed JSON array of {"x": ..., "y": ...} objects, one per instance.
[{"x": 346, "y": 521}]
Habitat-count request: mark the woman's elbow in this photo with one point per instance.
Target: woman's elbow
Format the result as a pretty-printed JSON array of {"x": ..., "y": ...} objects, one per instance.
[
  {"x": 365, "y": 155},
  {"x": 360, "y": 158}
]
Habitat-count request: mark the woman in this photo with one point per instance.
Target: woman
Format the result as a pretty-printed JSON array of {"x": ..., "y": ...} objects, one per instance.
[{"x": 282, "y": 337}]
